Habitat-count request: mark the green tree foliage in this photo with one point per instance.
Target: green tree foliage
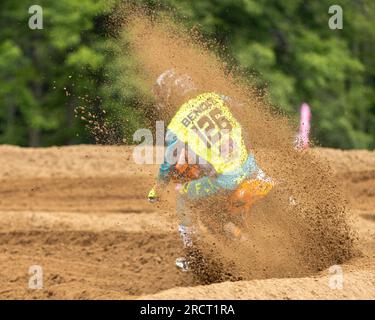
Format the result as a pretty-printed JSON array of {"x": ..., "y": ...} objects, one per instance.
[
  {"x": 293, "y": 53},
  {"x": 46, "y": 73},
  {"x": 286, "y": 47}
]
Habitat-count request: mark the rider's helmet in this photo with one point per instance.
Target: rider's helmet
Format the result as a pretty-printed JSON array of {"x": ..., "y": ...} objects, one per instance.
[{"x": 171, "y": 89}]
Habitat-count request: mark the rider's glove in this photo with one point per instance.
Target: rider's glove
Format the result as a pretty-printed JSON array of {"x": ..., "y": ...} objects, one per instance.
[{"x": 152, "y": 195}]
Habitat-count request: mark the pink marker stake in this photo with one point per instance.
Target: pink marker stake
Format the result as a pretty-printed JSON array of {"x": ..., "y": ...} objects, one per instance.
[{"x": 304, "y": 128}]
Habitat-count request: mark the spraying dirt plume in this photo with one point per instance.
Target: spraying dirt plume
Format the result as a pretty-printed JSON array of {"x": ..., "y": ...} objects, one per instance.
[{"x": 302, "y": 226}]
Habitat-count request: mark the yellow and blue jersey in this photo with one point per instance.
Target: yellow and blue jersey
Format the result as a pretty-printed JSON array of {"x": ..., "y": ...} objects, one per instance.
[{"x": 206, "y": 127}]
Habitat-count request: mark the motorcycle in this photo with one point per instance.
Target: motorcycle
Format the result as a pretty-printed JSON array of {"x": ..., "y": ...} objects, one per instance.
[{"x": 238, "y": 203}]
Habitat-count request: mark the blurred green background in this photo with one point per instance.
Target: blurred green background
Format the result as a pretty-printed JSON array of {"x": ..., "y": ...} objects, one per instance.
[{"x": 287, "y": 45}]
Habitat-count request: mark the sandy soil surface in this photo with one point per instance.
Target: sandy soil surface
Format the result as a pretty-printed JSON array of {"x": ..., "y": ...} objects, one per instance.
[{"x": 80, "y": 213}]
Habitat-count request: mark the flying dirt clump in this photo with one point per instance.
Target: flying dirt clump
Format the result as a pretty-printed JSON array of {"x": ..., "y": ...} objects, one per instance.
[{"x": 302, "y": 226}]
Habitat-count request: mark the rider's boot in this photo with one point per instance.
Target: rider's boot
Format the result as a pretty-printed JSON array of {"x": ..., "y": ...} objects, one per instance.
[{"x": 182, "y": 264}]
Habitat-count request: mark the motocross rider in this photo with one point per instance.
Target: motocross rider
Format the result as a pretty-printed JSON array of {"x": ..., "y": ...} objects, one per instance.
[{"x": 203, "y": 132}]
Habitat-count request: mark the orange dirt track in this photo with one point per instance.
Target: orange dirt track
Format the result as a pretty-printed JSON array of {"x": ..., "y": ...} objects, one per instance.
[{"x": 80, "y": 213}]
